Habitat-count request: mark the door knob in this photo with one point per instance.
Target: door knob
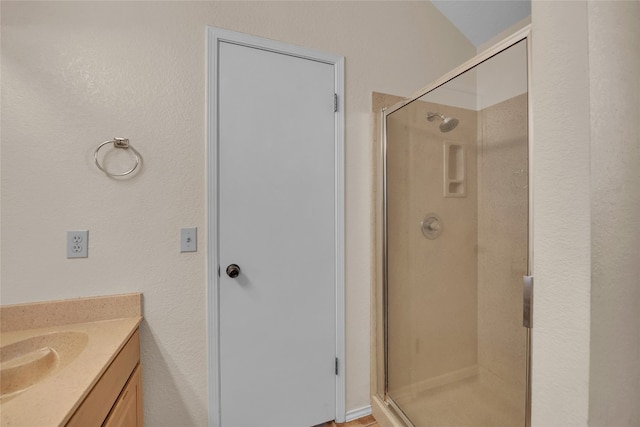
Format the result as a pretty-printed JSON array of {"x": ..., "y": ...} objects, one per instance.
[{"x": 233, "y": 271}]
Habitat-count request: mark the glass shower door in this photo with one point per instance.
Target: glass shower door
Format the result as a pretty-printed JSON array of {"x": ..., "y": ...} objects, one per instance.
[{"x": 457, "y": 203}]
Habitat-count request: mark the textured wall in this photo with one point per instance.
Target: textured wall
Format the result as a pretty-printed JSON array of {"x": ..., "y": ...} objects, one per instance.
[
  {"x": 586, "y": 347},
  {"x": 561, "y": 218},
  {"x": 614, "y": 389},
  {"x": 77, "y": 73}
]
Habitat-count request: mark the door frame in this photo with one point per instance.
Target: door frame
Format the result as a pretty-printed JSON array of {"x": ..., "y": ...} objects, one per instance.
[{"x": 215, "y": 36}]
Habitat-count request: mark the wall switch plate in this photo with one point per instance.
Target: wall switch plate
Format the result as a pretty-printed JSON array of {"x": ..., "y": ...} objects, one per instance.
[
  {"x": 78, "y": 244},
  {"x": 188, "y": 239}
]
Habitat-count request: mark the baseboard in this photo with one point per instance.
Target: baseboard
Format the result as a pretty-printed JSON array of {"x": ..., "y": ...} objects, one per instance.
[{"x": 354, "y": 414}]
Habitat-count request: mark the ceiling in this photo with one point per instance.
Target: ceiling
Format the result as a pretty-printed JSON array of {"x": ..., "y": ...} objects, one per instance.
[{"x": 480, "y": 20}]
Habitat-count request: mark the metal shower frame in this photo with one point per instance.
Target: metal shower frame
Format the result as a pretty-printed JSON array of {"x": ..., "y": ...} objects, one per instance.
[{"x": 523, "y": 34}]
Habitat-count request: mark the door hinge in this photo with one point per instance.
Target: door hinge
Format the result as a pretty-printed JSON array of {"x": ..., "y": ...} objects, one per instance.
[
  {"x": 335, "y": 102},
  {"x": 336, "y": 366},
  {"x": 527, "y": 301},
  {"x": 218, "y": 271}
]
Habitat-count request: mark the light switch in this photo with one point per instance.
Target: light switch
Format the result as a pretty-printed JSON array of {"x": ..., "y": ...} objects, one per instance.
[{"x": 188, "y": 239}]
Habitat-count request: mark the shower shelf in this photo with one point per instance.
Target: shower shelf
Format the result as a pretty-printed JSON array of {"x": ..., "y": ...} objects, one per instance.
[{"x": 455, "y": 182}]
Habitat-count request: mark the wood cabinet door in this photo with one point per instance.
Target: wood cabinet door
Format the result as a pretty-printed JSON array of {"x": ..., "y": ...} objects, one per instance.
[{"x": 127, "y": 412}]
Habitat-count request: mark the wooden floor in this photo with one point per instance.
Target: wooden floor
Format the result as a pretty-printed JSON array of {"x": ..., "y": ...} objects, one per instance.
[{"x": 368, "y": 421}]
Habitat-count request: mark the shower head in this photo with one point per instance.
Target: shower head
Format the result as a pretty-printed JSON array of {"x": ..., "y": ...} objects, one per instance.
[{"x": 448, "y": 123}]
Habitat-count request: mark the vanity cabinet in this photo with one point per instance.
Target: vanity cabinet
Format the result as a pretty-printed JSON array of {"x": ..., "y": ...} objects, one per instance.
[{"x": 116, "y": 399}]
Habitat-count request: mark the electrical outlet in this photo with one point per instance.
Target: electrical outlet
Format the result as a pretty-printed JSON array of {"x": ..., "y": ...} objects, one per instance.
[
  {"x": 78, "y": 244},
  {"x": 188, "y": 239}
]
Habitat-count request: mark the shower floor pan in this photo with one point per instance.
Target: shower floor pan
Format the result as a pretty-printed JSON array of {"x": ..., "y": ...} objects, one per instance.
[{"x": 482, "y": 400}]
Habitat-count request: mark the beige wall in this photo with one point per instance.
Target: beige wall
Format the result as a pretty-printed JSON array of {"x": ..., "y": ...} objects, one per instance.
[
  {"x": 614, "y": 382},
  {"x": 75, "y": 74},
  {"x": 586, "y": 346}
]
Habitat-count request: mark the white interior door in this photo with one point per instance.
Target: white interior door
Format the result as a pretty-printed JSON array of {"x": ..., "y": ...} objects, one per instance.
[{"x": 276, "y": 220}]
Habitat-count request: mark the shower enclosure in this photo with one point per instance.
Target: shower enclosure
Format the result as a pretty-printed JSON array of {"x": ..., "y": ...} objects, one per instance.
[{"x": 455, "y": 351}]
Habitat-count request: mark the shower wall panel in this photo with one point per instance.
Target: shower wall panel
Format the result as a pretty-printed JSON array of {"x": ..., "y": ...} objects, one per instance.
[
  {"x": 432, "y": 283},
  {"x": 502, "y": 239}
]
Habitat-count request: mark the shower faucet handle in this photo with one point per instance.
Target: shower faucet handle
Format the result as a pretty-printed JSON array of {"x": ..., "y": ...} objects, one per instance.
[{"x": 431, "y": 226}]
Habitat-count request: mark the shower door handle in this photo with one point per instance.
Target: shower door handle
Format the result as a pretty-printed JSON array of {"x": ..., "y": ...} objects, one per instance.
[{"x": 527, "y": 301}]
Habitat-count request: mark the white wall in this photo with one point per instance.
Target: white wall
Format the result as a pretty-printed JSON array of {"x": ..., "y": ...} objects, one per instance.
[
  {"x": 586, "y": 346},
  {"x": 494, "y": 85},
  {"x": 614, "y": 67},
  {"x": 561, "y": 213},
  {"x": 78, "y": 73}
]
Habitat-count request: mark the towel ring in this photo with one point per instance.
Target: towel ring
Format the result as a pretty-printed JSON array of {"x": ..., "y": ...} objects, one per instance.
[{"x": 117, "y": 143}]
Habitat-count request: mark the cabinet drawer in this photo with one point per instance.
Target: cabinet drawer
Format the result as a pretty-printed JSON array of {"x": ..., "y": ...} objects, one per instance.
[{"x": 96, "y": 406}]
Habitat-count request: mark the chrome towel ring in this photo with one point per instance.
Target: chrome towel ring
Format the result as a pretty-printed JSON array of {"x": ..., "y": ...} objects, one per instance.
[{"x": 117, "y": 143}]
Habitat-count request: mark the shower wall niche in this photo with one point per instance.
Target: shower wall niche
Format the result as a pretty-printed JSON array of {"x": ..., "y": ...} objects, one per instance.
[
  {"x": 455, "y": 349},
  {"x": 455, "y": 159}
]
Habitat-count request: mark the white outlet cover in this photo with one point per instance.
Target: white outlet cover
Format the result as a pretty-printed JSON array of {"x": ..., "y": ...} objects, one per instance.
[{"x": 78, "y": 244}]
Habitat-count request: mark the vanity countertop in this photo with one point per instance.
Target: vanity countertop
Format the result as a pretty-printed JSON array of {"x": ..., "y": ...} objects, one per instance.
[{"x": 85, "y": 335}]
